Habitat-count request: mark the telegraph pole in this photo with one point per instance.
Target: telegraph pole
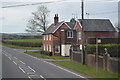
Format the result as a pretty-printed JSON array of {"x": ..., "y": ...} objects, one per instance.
[
  {"x": 83, "y": 47},
  {"x": 82, "y": 9}
]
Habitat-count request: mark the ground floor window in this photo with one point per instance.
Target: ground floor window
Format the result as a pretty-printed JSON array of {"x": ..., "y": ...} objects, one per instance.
[{"x": 57, "y": 49}]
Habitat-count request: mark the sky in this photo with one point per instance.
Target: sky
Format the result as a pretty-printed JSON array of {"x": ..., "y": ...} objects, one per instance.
[{"x": 15, "y": 19}]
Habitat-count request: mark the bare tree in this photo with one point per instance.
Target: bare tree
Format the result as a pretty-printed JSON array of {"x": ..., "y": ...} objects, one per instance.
[{"x": 39, "y": 21}]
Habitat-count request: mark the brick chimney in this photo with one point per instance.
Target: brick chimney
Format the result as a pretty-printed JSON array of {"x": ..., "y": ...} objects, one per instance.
[{"x": 56, "y": 18}]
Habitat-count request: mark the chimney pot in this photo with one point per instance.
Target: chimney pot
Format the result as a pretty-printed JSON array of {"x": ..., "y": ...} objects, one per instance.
[{"x": 56, "y": 18}]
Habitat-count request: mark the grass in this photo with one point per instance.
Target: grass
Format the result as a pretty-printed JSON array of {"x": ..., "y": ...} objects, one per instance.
[
  {"x": 86, "y": 70},
  {"x": 26, "y": 40},
  {"x": 35, "y": 55},
  {"x": 51, "y": 57},
  {"x": 20, "y": 47}
]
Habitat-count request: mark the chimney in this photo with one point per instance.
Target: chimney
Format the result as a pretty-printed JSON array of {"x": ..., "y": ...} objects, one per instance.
[{"x": 56, "y": 18}]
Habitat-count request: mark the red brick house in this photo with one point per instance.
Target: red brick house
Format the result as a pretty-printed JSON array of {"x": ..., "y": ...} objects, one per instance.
[
  {"x": 59, "y": 37},
  {"x": 95, "y": 28}
]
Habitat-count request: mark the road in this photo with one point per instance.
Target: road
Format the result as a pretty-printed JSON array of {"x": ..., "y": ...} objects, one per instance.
[{"x": 16, "y": 64}]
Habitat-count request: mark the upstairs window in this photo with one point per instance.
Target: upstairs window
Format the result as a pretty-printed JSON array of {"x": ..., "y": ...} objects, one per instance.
[
  {"x": 79, "y": 35},
  {"x": 70, "y": 34},
  {"x": 44, "y": 37}
]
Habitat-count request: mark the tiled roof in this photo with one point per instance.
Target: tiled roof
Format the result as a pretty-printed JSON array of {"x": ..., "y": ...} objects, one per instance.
[
  {"x": 97, "y": 25},
  {"x": 53, "y": 27}
]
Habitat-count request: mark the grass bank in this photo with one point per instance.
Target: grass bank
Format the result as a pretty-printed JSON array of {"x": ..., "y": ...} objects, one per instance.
[
  {"x": 36, "y": 54},
  {"x": 86, "y": 70}
]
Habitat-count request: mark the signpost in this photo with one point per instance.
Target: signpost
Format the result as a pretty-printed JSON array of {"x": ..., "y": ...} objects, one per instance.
[{"x": 97, "y": 41}]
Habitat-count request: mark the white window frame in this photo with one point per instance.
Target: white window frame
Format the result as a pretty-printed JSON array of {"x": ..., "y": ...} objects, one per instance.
[
  {"x": 79, "y": 35},
  {"x": 49, "y": 37},
  {"x": 69, "y": 34},
  {"x": 58, "y": 49},
  {"x": 50, "y": 48},
  {"x": 44, "y": 47},
  {"x": 46, "y": 37}
]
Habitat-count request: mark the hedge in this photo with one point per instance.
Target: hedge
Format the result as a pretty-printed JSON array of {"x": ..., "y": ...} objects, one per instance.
[
  {"x": 24, "y": 44},
  {"x": 113, "y": 49},
  {"x": 46, "y": 53}
]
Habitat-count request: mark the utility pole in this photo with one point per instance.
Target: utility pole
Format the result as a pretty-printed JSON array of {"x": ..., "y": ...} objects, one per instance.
[
  {"x": 83, "y": 47},
  {"x": 82, "y": 9}
]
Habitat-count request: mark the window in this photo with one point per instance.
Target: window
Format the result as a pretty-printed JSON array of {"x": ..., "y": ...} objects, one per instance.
[
  {"x": 50, "y": 48},
  {"x": 70, "y": 34},
  {"x": 47, "y": 47},
  {"x": 44, "y": 47},
  {"x": 49, "y": 37},
  {"x": 44, "y": 37},
  {"x": 57, "y": 49},
  {"x": 79, "y": 35}
]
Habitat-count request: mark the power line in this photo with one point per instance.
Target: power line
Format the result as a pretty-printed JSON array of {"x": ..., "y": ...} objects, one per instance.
[{"x": 32, "y": 4}]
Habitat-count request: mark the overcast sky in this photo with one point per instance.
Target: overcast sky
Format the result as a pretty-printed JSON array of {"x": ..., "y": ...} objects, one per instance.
[{"x": 15, "y": 19}]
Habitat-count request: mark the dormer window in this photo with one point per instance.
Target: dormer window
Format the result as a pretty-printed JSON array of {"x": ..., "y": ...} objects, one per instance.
[{"x": 70, "y": 34}]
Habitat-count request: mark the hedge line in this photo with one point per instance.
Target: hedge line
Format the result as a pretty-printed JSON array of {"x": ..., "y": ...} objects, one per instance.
[
  {"x": 46, "y": 53},
  {"x": 113, "y": 49},
  {"x": 24, "y": 44}
]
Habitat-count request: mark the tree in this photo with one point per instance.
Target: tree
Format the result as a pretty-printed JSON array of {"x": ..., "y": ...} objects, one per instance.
[{"x": 39, "y": 21}]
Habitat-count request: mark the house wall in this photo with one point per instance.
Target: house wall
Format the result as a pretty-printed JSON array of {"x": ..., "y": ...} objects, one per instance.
[
  {"x": 78, "y": 28},
  {"x": 47, "y": 42}
]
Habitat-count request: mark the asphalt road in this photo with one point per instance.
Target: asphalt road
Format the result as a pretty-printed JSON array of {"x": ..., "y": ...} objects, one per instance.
[{"x": 16, "y": 64}]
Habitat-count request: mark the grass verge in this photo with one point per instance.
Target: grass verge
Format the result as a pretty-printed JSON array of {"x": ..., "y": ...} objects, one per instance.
[
  {"x": 20, "y": 47},
  {"x": 45, "y": 56},
  {"x": 86, "y": 70}
]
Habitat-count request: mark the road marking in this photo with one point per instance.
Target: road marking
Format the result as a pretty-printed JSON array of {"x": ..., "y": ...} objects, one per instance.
[
  {"x": 9, "y": 58},
  {"x": 22, "y": 69},
  {"x": 14, "y": 62},
  {"x": 31, "y": 69},
  {"x": 64, "y": 69},
  {"x": 21, "y": 62},
  {"x": 15, "y": 58},
  {"x": 42, "y": 77}
]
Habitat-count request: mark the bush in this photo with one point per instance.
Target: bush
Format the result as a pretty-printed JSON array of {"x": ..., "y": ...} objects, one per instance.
[
  {"x": 113, "y": 49},
  {"x": 46, "y": 53}
]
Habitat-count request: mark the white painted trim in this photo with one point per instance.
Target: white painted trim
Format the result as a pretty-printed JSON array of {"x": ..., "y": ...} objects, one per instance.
[
  {"x": 60, "y": 25},
  {"x": 78, "y": 23},
  {"x": 67, "y": 25}
]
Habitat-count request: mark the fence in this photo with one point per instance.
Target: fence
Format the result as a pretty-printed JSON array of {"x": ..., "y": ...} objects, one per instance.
[{"x": 105, "y": 62}]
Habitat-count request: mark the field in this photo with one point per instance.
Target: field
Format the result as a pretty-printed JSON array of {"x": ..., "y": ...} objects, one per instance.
[{"x": 26, "y": 40}]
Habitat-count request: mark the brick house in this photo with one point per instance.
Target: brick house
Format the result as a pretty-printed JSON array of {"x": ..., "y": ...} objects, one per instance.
[
  {"x": 59, "y": 37},
  {"x": 95, "y": 28}
]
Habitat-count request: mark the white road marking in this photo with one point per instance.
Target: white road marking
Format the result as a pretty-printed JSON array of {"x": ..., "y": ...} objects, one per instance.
[
  {"x": 15, "y": 58},
  {"x": 42, "y": 77},
  {"x": 14, "y": 62},
  {"x": 9, "y": 58},
  {"x": 64, "y": 69},
  {"x": 31, "y": 69},
  {"x": 22, "y": 62},
  {"x": 22, "y": 69}
]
